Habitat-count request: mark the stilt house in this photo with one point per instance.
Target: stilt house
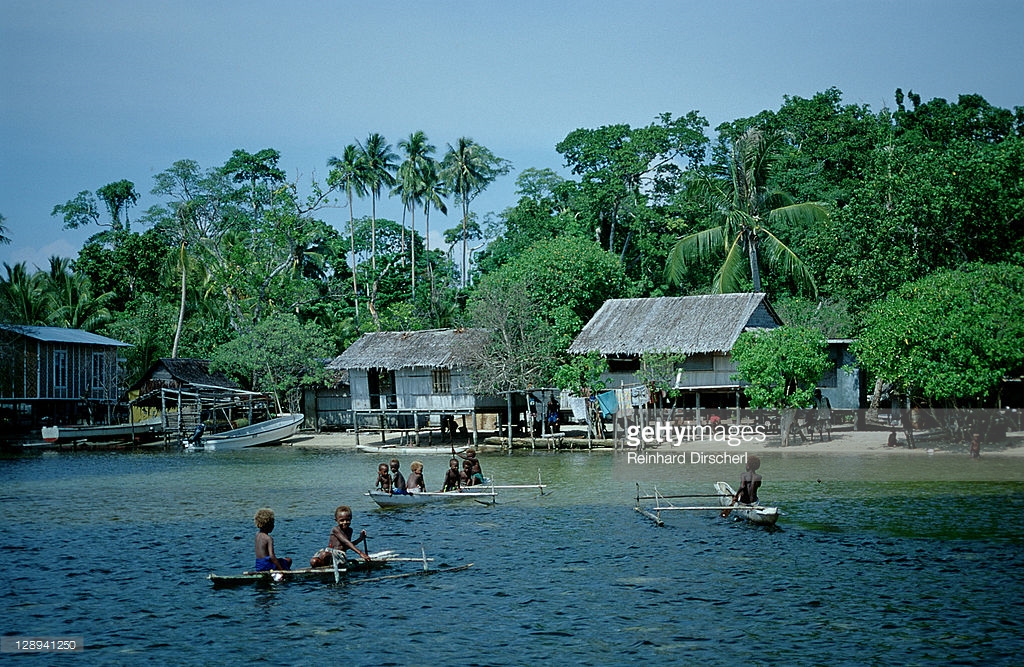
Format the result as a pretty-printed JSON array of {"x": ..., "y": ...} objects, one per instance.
[
  {"x": 411, "y": 378},
  {"x": 704, "y": 329},
  {"x": 64, "y": 376}
]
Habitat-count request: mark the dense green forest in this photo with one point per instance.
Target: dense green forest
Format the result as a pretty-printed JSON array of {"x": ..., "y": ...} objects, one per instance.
[{"x": 840, "y": 213}]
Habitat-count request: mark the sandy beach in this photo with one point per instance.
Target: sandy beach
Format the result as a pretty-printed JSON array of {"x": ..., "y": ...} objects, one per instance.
[{"x": 844, "y": 440}]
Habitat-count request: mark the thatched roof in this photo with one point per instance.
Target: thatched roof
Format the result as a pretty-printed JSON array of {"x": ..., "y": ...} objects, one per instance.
[
  {"x": 433, "y": 348},
  {"x": 687, "y": 324},
  {"x": 177, "y": 372}
]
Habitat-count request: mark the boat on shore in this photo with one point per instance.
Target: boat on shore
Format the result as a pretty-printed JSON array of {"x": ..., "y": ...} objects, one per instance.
[
  {"x": 408, "y": 449},
  {"x": 148, "y": 429},
  {"x": 755, "y": 514},
  {"x": 270, "y": 432}
]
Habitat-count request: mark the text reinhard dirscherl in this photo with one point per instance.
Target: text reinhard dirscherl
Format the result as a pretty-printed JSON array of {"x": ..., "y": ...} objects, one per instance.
[{"x": 661, "y": 433}]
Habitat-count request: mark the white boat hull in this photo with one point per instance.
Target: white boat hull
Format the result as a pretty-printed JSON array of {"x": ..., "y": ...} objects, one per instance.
[
  {"x": 413, "y": 449},
  {"x": 762, "y": 516},
  {"x": 485, "y": 495},
  {"x": 270, "y": 432},
  {"x": 149, "y": 428}
]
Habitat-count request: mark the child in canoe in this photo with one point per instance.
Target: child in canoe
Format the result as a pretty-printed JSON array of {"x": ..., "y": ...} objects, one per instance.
[
  {"x": 452, "y": 478},
  {"x": 341, "y": 538},
  {"x": 383, "y": 478},
  {"x": 265, "y": 558},
  {"x": 416, "y": 483}
]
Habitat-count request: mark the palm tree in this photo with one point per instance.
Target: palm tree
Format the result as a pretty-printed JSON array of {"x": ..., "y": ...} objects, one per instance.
[
  {"x": 434, "y": 192},
  {"x": 4, "y": 239},
  {"x": 741, "y": 203},
  {"x": 22, "y": 299},
  {"x": 72, "y": 304},
  {"x": 410, "y": 175},
  {"x": 378, "y": 164},
  {"x": 348, "y": 173},
  {"x": 468, "y": 169}
]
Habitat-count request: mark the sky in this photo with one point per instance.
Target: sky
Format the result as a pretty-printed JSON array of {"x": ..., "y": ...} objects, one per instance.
[{"x": 92, "y": 92}]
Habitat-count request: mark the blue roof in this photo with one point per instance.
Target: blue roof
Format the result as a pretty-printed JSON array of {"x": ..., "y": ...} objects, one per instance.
[{"x": 62, "y": 335}]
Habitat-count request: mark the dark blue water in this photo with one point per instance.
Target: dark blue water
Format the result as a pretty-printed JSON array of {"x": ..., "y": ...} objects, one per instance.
[{"x": 115, "y": 548}]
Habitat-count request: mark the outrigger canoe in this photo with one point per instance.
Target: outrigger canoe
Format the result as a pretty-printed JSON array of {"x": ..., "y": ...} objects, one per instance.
[
  {"x": 486, "y": 494},
  {"x": 755, "y": 514},
  {"x": 341, "y": 568}
]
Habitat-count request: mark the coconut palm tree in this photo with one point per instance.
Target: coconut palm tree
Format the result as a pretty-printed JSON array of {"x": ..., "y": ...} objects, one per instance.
[
  {"x": 22, "y": 298},
  {"x": 742, "y": 205},
  {"x": 348, "y": 173},
  {"x": 72, "y": 303},
  {"x": 434, "y": 192},
  {"x": 378, "y": 167},
  {"x": 410, "y": 176},
  {"x": 468, "y": 169},
  {"x": 4, "y": 239}
]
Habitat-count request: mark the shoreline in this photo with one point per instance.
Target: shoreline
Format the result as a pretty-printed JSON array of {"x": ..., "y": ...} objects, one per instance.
[{"x": 844, "y": 441}]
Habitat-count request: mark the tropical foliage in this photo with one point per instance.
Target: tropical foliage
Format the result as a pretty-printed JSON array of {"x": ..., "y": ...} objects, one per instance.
[{"x": 829, "y": 208}]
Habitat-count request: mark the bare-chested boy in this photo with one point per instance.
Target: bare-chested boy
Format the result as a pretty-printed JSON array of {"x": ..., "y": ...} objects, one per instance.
[
  {"x": 341, "y": 538},
  {"x": 265, "y": 558}
]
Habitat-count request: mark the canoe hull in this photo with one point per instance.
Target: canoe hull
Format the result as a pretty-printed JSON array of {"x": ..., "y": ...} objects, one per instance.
[
  {"x": 486, "y": 495},
  {"x": 761, "y": 516},
  {"x": 300, "y": 574}
]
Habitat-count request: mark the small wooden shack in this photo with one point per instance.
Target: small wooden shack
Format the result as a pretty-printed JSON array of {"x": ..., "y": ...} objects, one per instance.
[
  {"x": 57, "y": 375},
  {"x": 407, "y": 380}
]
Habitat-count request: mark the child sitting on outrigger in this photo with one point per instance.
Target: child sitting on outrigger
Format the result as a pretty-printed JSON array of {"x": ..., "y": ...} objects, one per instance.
[
  {"x": 452, "y": 478},
  {"x": 341, "y": 538},
  {"x": 416, "y": 482},
  {"x": 750, "y": 481},
  {"x": 383, "y": 478},
  {"x": 265, "y": 558}
]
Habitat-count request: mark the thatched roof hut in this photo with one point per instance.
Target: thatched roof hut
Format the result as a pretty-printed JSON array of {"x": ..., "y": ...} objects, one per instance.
[
  {"x": 432, "y": 348},
  {"x": 178, "y": 373},
  {"x": 689, "y": 324}
]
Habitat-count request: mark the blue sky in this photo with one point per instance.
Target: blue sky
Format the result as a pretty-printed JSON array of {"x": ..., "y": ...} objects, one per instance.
[{"x": 93, "y": 92}]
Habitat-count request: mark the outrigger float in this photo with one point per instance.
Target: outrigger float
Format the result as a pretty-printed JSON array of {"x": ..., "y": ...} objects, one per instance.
[
  {"x": 339, "y": 570},
  {"x": 755, "y": 514}
]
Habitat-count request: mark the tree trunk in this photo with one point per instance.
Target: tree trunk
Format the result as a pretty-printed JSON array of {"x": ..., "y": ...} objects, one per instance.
[
  {"x": 755, "y": 270},
  {"x": 181, "y": 305},
  {"x": 876, "y": 397}
]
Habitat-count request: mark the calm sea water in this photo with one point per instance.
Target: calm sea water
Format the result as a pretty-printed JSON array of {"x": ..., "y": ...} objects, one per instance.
[{"x": 866, "y": 569}]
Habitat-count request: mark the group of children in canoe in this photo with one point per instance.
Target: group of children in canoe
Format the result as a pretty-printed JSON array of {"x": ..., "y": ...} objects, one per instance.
[{"x": 389, "y": 479}]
